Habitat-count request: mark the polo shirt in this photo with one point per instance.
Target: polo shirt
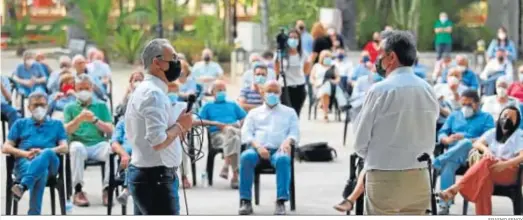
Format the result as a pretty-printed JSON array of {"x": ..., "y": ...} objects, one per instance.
[
  {"x": 36, "y": 71},
  {"x": 87, "y": 133},
  {"x": 252, "y": 97},
  {"x": 226, "y": 112},
  {"x": 443, "y": 37},
  {"x": 26, "y": 133}
]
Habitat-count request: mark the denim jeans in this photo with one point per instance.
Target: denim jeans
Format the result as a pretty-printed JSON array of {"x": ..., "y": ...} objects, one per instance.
[
  {"x": 449, "y": 162},
  {"x": 279, "y": 160},
  {"x": 33, "y": 174},
  {"x": 10, "y": 113},
  {"x": 154, "y": 190},
  {"x": 443, "y": 49}
]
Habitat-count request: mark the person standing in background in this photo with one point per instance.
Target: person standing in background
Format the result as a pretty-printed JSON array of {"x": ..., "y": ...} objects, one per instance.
[
  {"x": 306, "y": 38},
  {"x": 397, "y": 124},
  {"x": 443, "y": 31}
]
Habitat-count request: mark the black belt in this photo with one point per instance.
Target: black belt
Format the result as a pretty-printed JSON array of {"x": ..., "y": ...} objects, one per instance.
[{"x": 157, "y": 169}]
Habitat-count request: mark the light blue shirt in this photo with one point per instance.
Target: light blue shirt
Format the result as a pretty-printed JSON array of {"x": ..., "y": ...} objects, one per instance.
[
  {"x": 119, "y": 135},
  {"x": 306, "y": 43},
  {"x": 472, "y": 127},
  {"x": 99, "y": 69},
  {"x": 397, "y": 122},
  {"x": 270, "y": 127},
  {"x": 36, "y": 71},
  {"x": 248, "y": 77},
  {"x": 359, "y": 71},
  {"x": 211, "y": 69},
  {"x": 7, "y": 85},
  {"x": 189, "y": 86},
  {"x": 510, "y": 48},
  {"x": 420, "y": 70},
  {"x": 227, "y": 112}
]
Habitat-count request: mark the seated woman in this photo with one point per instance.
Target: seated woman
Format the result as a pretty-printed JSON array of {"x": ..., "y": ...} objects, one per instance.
[
  {"x": 502, "y": 149},
  {"x": 65, "y": 95},
  {"x": 187, "y": 85},
  {"x": 325, "y": 80},
  {"x": 348, "y": 203},
  {"x": 495, "y": 103},
  {"x": 134, "y": 80},
  {"x": 458, "y": 133}
]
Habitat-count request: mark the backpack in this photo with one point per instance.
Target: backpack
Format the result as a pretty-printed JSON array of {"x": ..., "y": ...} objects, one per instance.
[{"x": 317, "y": 152}]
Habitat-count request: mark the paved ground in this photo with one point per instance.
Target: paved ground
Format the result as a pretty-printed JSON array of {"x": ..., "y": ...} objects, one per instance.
[{"x": 318, "y": 185}]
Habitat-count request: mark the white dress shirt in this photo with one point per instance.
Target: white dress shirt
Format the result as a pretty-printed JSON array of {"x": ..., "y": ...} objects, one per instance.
[
  {"x": 444, "y": 92},
  {"x": 508, "y": 150},
  {"x": 271, "y": 126},
  {"x": 492, "y": 106},
  {"x": 397, "y": 122},
  {"x": 148, "y": 116},
  {"x": 494, "y": 66}
]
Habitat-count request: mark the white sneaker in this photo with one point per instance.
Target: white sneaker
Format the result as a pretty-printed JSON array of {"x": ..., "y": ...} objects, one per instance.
[{"x": 122, "y": 199}]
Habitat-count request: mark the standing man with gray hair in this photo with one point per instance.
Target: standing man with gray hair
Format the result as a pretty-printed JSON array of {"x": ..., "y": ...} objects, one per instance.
[
  {"x": 397, "y": 124},
  {"x": 154, "y": 127}
]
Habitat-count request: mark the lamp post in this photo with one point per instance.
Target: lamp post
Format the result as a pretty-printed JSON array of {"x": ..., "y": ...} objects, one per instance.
[
  {"x": 234, "y": 19},
  {"x": 159, "y": 27}
]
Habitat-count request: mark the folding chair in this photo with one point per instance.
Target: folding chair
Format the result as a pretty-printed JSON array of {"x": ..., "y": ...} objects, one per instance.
[
  {"x": 211, "y": 153},
  {"x": 53, "y": 182}
]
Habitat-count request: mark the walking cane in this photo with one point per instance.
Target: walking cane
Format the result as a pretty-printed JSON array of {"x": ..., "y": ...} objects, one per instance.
[{"x": 426, "y": 157}]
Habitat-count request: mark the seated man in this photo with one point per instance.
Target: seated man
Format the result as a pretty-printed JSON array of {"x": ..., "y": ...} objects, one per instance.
[
  {"x": 207, "y": 71},
  {"x": 121, "y": 146},
  {"x": 468, "y": 77},
  {"x": 224, "y": 118},
  {"x": 269, "y": 130},
  {"x": 80, "y": 68},
  {"x": 247, "y": 77},
  {"x": 495, "y": 103},
  {"x": 87, "y": 122},
  {"x": 52, "y": 83},
  {"x": 35, "y": 141},
  {"x": 251, "y": 97},
  {"x": 500, "y": 65},
  {"x": 7, "y": 110},
  {"x": 100, "y": 70},
  {"x": 452, "y": 88},
  {"x": 29, "y": 76},
  {"x": 440, "y": 67},
  {"x": 40, "y": 59},
  {"x": 459, "y": 131}
]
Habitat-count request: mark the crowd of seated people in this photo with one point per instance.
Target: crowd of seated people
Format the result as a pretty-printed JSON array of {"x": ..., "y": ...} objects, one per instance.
[
  {"x": 29, "y": 76},
  {"x": 206, "y": 71},
  {"x": 256, "y": 60}
]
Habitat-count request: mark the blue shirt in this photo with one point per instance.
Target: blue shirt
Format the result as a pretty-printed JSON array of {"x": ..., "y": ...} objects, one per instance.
[
  {"x": 44, "y": 68},
  {"x": 420, "y": 70},
  {"x": 189, "y": 86},
  {"x": 468, "y": 78},
  {"x": 24, "y": 73},
  {"x": 252, "y": 97},
  {"x": 306, "y": 42},
  {"x": 359, "y": 71},
  {"x": 510, "y": 48},
  {"x": 27, "y": 134},
  {"x": 7, "y": 85},
  {"x": 470, "y": 128},
  {"x": 227, "y": 112},
  {"x": 119, "y": 134},
  {"x": 270, "y": 127}
]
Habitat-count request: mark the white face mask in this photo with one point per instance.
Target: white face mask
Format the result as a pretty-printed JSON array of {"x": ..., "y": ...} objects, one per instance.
[
  {"x": 39, "y": 113},
  {"x": 502, "y": 92},
  {"x": 502, "y": 36},
  {"x": 84, "y": 95},
  {"x": 136, "y": 83},
  {"x": 443, "y": 19},
  {"x": 453, "y": 80},
  {"x": 467, "y": 111},
  {"x": 29, "y": 62}
]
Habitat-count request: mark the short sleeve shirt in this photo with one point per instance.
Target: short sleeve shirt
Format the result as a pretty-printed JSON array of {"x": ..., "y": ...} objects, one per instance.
[
  {"x": 87, "y": 133},
  {"x": 27, "y": 134},
  {"x": 443, "y": 37},
  {"x": 252, "y": 97},
  {"x": 227, "y": 112},
  {"x": 320, "y": 44},
  {"x": 507, "y": 150}
]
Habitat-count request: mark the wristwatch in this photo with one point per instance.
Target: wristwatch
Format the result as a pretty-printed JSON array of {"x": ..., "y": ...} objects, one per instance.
[{"x": 95, "y": 121}]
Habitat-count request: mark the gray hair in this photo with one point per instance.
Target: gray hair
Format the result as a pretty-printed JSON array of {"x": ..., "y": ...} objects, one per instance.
[
  {"x": 77, "y": 58},
  {"x": 254, "y": 56},
  {"x": 37, "y": 95},
  {"x": 28, "y": 53},
  {"x": 153, "y": 49},
  {"x": 64, "y": 59},
  {"x": 402, "y": 43},
  {"x": 83, "y": 78}
]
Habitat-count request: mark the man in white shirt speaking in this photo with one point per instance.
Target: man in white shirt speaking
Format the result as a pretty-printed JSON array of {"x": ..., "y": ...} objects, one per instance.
[
  {"x": 154, "y": 127},
  {"x": 397, "y": 124}
]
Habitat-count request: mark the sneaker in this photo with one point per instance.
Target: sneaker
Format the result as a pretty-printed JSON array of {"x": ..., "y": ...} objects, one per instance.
[
  {"x": 245, "y": 207},
  {"x": 234, "y": 182},
  {"x": 124, "y": 196},
  {"x": 18, "y": 191},
  {"x": 444, "y": 210},
  {"x": 79, "y": 199},
  {"x": 280, "y": 208}
]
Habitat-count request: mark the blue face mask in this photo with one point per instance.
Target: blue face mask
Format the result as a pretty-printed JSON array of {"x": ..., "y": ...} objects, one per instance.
[
  {"x": 293, "y": 43},
  {"x": 259, "y": 79},
  {"x": 341, "y": 56},
  {"x": 173, "y": 97},
  {"x": 221, "y": 96},
  {"x": 272, "y": 99},
  {"x": 327, "y": 61}
]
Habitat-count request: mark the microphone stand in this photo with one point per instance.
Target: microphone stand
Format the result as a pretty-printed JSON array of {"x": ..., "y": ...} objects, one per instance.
[{"x": 287, "y": 96}]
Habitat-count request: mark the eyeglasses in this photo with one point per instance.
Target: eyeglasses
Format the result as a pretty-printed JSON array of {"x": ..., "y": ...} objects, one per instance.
[{"x": 173, "y": 58}]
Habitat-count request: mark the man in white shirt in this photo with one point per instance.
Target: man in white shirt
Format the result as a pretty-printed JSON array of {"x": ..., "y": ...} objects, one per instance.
[
  {"x": 495, "y": 103},
  {"x": 153, "y": 126},
  {"x": 499, "y": 65},
  {"x": 269, "y": 130},
  {"x": 396, "y": 125}
]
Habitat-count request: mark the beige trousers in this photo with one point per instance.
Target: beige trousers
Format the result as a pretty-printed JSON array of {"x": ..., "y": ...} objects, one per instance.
[{"x": 398, "y": 192}]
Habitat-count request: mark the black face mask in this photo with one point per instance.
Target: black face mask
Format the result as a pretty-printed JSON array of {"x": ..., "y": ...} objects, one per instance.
[
  {"x": 501, "y": 59},
  {"x": 301, "y": 28},
  {"x": 174, "y": 70},
  {"x": 206, "y": 58},
  {"x": 507, "y": 125},
  {"x": 379, "y": 68}
]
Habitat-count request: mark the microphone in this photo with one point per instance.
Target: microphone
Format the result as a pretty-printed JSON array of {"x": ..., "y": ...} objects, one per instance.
[
  {"x": 190, "y": 102},
  {"x": 424, "y": 157}
]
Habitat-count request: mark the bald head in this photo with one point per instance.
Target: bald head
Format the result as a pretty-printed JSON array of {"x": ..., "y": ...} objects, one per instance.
[
  {"x": 272, "y": 86},
  {"x": 39, "y": 56},
  {"x": 218, "y": 86}
]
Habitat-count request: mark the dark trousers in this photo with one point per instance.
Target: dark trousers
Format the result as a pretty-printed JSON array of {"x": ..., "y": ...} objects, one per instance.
[
  {"x": 443, "y": 49},
  {"x": 10, "y": 113},
  {"x": 297, "y": 94},
  {"x": 152, "y": 190}
]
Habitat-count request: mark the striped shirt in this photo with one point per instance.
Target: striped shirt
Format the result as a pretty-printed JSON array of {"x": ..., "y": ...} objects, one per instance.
[{"x": 252, "y": 97}]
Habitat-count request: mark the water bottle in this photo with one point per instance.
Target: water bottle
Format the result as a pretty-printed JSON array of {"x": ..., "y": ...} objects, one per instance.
[
  {"x": 204, "y": 179},
  {"x": 68, "y": 207}
]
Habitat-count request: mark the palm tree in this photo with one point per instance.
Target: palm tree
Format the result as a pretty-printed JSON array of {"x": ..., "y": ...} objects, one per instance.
[{"x": 128, "y": 42}]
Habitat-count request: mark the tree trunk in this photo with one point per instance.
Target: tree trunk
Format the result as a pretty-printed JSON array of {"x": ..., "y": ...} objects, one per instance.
[
  {"x": 349, "y": 19},
  {"x": 227, "y": 20},
  {"x": 73, "y": 31},
  {"x": 264, "y": 9}
]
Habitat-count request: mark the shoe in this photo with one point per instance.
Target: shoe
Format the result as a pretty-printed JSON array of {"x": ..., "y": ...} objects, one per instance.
[
  {"x": 224, "y": 173},
  {"x": 18, "y": 191},
  {"x": 245, "y": 207},
  {"x": 234, "y": 183},
  {"x": 444, "y": 210},
  {"x": 280, "y": 208},
  {"x": 79, "y": 199},
  {"x": 122, "y": 199}
]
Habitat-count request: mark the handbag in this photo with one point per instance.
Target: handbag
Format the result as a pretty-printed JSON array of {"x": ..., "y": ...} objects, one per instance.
[{"x": 317, "y": 152}]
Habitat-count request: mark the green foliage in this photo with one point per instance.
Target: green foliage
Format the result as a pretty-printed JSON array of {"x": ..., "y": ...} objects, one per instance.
[
  {"x": 190, "y": 47},
  {"x": 209, "y": 29},
  {"x": 128, "y": 43},
  {"x": 222, "y": 51},
  {"x": 171, "y": 11}
]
